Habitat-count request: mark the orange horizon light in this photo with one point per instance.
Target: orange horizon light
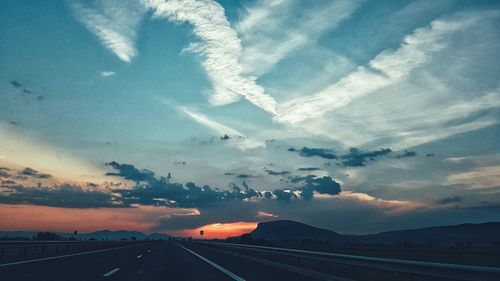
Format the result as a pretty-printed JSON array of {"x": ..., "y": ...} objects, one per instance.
[{"x": 218, "y": 230}]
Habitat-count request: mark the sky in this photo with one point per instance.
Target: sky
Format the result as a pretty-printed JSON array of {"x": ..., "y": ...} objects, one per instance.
[{"x": 175, "y": 116}]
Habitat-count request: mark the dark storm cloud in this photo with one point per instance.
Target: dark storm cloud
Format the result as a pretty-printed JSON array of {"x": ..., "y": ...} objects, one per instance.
[
  {"x": 406, "y": 154},
  {"x": 353, "y": 158},
  {"x": 152, "y": 190},
  {"x": 307, "y": 194},
  {"x": 308, "y": 169},
  {"x": 267, "y": 194},
  {"x": 129, "y": 172},
  {"x": 225, "y": 137},
  {"x": 25, "y": 91},
  {"x": 322, "y": 185},
  {"x": 276, "y": 173},
  {"x": 310, "y": 152},
  {"x": 297, "y": 179},
  {"x": 157, "y": 192},
  {"x": 163, "y": 193},
  {"x": 8, "y": 182},
  {"x": 283, "y": 195},
  {"x": 357, "y": 158},
  {"x": 449, "y": 200},
  {"x": 311, "y": 183},
  {"x": 16, "y": 84},
  {"x": 29, "y": 172},
  {"x": 66, "y": 195},
  {"x": 4, "y": 173},
  {"x": 245, "y": 176},
  {"x": 235, "y": 192}
]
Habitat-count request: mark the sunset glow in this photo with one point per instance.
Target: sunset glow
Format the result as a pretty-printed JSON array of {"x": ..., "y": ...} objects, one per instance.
[
  {"x": 42, "y": 218},
  {"x": 219, "y": 230}
]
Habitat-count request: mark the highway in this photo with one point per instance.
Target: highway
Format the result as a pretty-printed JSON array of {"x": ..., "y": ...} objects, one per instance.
[{"x": 166, "y": 260}]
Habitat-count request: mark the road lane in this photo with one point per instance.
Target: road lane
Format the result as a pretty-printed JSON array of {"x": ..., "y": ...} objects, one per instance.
[
  {"x": 169, "y": 262},
  {"x": 160, "y": 261},
  {"x": 30, "y": 260},
  {"x": 225, "y": 271},
  {"x": 246, "y": 268},
  {"x": 90, "y": 266},
  {"x": 111, "y": 272},
  {"x": 165, "y": 260}
]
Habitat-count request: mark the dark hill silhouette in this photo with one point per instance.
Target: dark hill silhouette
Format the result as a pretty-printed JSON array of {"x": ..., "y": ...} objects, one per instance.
[
  {"x": 292, "y": 230},
  {"x": 482, "y": 234}
]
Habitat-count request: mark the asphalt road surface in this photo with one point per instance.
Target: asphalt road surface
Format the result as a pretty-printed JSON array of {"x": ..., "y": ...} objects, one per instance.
[{"x": 167, "y": 260}]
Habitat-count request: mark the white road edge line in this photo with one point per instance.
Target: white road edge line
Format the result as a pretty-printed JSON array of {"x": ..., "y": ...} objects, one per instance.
[
  {"x": 227, "y": 272},
  {"x": 139, "y": 256},
  {"x": 65, "y": 256},
  {"x": 111, "y": 272}
]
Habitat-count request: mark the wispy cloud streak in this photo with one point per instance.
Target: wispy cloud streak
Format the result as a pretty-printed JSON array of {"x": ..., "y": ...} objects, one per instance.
[
  {"x": 114, "y": 22},
  {"x": 237, "y": 140},
  {"x": 214, "y": 125},
  {"x": 220, "y": 48},
  {"x": 107, "y": 73},
  {"x": 271, "y": 30},
  {"x": 482, "y": 177},
  {"x": 387, "y": 68}
]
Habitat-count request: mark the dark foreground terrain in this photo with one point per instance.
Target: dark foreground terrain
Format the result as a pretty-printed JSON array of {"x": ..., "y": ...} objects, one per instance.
[
  {"x": 163, "y": 260},
  {"x": 275, "y": 250},
  {"x": 203, "y": 260}
]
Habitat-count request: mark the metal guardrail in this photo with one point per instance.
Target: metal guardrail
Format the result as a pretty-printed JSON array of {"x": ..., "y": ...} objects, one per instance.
[
  {"x": 21, "y": 250},
  {"x": 366, "y": 268}
]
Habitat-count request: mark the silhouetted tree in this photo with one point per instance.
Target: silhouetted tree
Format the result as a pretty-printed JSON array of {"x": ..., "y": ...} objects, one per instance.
[{"x": 46, "y": 236}]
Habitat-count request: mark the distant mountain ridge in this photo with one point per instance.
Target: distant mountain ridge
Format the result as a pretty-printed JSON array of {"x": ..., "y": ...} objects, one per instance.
[
  {"x": 482, "y": 234},
  {"x": 99, "y": 235},
  {"x": 478, "y": 234}
]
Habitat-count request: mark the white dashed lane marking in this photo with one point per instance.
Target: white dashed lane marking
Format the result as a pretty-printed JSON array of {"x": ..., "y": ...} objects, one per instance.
[{"x": 111, "y": 272}]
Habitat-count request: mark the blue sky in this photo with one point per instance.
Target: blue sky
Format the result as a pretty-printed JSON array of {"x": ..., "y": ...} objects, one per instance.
[{"x": 397, "y": 102}]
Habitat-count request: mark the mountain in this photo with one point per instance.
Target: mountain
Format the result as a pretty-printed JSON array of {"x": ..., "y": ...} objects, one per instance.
[
  {"x": 291, "y": 230},
  {"x": 482, "y": 234},
  {"x": 99, "y": 235}
]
